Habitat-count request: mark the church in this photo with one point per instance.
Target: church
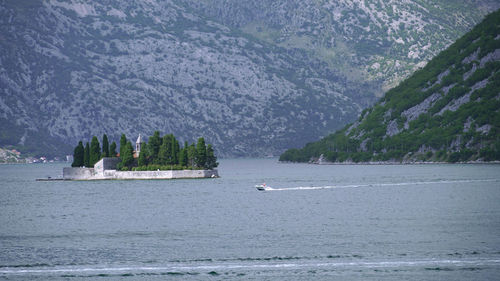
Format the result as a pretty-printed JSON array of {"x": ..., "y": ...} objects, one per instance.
[{"x": 138, "y": 146}]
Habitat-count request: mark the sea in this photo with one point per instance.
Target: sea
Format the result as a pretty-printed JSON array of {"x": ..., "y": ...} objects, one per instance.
[{"x": 319, "y": 222}]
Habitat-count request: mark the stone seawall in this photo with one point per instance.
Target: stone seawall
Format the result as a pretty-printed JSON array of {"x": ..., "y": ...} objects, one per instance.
[
  {"x": 92, "y": 174},
  {"x": 70, "y": 173},
  {"x": 174, "y": 174}
]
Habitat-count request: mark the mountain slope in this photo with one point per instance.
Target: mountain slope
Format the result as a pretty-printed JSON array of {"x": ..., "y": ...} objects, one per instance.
[
  {"x": 72, "y": 69},
  {"x": 366, "y": 39},
  {"x": 449, "y": 110}
]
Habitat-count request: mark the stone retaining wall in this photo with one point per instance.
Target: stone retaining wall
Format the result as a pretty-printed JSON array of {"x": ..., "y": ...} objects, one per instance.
[
  {"x": 70, "y": 173},
  {"x": 91, "y": 174}
]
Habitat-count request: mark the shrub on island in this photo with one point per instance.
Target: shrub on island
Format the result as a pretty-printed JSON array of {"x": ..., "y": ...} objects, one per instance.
[{"x": 155, "y": 167}]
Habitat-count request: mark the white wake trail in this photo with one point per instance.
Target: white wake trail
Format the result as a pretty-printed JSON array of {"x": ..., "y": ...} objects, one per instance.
[{"x": 378, "y": 185}]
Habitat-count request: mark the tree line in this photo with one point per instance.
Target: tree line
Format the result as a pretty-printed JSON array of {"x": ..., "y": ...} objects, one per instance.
[
  {"x": 88, "y": 155},
  {"x": 163, "y": 153}
]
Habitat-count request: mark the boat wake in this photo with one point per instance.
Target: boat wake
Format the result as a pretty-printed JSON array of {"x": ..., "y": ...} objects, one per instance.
[{"x": 378, "y": 185}]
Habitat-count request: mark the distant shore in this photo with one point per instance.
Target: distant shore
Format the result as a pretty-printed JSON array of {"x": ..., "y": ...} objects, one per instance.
[{"x": 389, "y": 162}]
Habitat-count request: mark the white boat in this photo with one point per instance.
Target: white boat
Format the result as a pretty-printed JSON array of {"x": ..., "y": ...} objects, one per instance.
[{"x": 262, "y": 187}]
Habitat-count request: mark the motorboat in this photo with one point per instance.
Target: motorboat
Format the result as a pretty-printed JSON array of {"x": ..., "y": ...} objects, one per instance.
[{"x": 262, "y": 187}]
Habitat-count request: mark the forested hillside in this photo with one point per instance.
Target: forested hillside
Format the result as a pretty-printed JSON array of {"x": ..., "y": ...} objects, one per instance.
[{"x": 447, "y": 111}]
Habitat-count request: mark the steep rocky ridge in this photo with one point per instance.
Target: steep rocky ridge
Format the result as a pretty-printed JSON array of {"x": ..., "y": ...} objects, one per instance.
[
  {"x": 366, "y": 39},
  {"x": 448, "y": 111}
]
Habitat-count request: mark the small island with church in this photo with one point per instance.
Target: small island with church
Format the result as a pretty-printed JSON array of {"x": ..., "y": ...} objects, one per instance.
[{"x": 159, "y": 158}]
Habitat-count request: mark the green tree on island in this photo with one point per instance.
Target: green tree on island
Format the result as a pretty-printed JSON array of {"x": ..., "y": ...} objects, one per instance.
[
  {"x": 165, "y": 154},
  {"x": 123, "y": 143},
  {"x": 211, "y": 159},
  {"x": 154, "y": 147},
  {"x": 86, "y": 155},
  {"x": 78, "y": 155},
  {"x": 112, "y": 150},
  {"x": 95, "y": 151},
  {"x": 191, "y": 154},
  {"x": 175, "y": 151},
  {"x": 183, "y": 159},
  {"x": 161, "y": 153},
  {"x": 201, "y": 153},
  {"x": 127, "y": 157},
  {"x": 142, "y": 160},
  {"x": 105, "y": 146}
]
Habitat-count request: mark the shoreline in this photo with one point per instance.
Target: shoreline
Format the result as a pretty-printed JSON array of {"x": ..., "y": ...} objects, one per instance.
[
  {"x": 90, "y": 174},
  {"x": 392, "y": 163},
  {"x": 122, "y": 179}
]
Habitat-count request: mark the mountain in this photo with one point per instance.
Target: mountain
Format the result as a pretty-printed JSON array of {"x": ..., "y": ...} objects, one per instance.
[
  {"x": 73, "y": 69},
  {"x": 376, "y": 40},
  {"x": 447, "y": 111}
]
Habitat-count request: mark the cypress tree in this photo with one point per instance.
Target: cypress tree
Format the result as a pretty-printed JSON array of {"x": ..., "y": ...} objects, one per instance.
[
  {"x": 95, "y": 151},
  {"x": 201, "y": 153},
  {"x": 183, "y": 159},
  {"x": 123, "y": 143},
  {"x": 175, "y": 151},
  {"x": 211, "y": 159},
  {"x": 191, "y": 153},
  {"x": 154, "y": 147},
  {"x": 86, "y": 155},
  {"x": 165, "y": 154},
  {"x": 105, "y": 146},
  {"x": 127, "y": 156},
  {"x": 112, "y": 149},
  {"x": 142, "y": 161},
  {"x": 78, "y": 155}
]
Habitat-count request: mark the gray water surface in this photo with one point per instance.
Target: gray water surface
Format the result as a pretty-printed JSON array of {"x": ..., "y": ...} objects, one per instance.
[{"x": 349, "y": 222}]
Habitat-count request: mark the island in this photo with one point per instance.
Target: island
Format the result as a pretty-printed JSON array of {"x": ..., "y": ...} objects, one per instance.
[{"x": 160, "y": 158}]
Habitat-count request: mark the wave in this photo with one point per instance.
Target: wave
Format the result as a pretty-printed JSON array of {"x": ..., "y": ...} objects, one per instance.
[
  {"x": 25, "y": 265},
  {"x": 378, "y": 185},
  {"x": 213, "y": 269},
  {"x": 273, "y": 258}
]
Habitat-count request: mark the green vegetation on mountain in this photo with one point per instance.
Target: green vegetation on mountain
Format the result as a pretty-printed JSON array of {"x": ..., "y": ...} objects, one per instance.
[{"x": 447, "y": 111}]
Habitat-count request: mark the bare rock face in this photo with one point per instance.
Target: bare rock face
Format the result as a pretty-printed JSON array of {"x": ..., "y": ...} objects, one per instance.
[
  {"x": 386, "y": 40},
  {"x": 73, "y": 69}
]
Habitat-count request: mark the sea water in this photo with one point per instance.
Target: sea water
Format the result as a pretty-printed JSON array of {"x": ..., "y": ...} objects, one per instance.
[{"x": 347, "y": 222}]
